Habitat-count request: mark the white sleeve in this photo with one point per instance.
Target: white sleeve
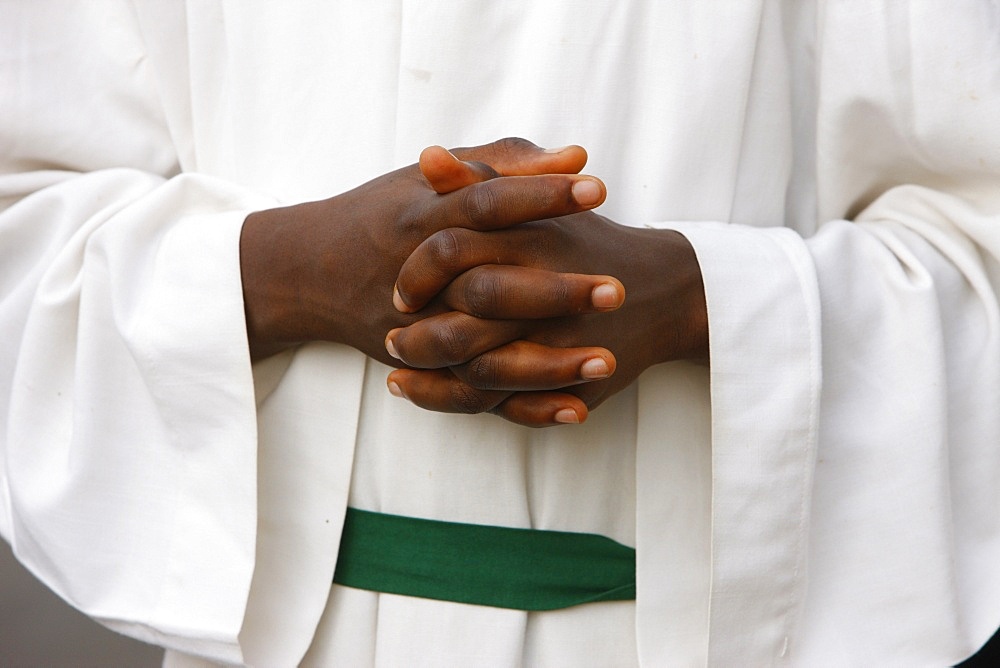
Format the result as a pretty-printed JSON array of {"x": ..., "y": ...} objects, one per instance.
[
  {"x": 855, "y": 383},
  {"x": 125, "y": 382},
  {"x": 905, "y": 534},
  {"x": 855, "y": 379}
]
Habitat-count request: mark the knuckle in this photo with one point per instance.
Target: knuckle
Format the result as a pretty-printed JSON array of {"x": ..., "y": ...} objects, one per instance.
[
  {"x": 452, "y": 344},
  {"x": 466, "y": 399},
  {"x": 479, "y": 204},
  {"x": 445, "y": 248},
  {"x": 562, "y": 292},
  {"x": 483, "y": 373},
  {"x": 484, "y": 293}
]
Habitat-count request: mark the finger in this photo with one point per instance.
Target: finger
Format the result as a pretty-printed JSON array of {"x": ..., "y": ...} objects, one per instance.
[
  {"x": 542, "y": 409},
  {"x": 449, "y": 339},
  {"x": 510, "y": 292},
  {"x": 524, "y": 365},
  {"x": 440, "y": 390},
  {"x": 514, "y": 156},
  {"x": 501, "y": 202},
  {"x": 510, "y": 200},
  {"x": 446, "y": 173},
  {"x": 483, "y": 265}
]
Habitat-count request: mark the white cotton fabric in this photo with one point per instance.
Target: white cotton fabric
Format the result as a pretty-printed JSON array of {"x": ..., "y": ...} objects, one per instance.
[{"x": 824, "y": 494}]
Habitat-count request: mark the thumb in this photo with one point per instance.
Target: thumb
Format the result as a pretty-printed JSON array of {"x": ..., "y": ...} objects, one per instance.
[
  {"x": 519, "y": 157},
  {"x": 446, "y": 173}
]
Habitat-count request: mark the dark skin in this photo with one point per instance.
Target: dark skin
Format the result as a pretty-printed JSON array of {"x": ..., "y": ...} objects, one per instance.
[
  {"x": 324, "y": 271},
  {"x": 663, "y": 319},
  {"x": 506, "y": 315}
]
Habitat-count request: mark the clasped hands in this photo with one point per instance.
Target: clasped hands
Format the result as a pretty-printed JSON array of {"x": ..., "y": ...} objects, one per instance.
[{"x": 485, "y": 275}]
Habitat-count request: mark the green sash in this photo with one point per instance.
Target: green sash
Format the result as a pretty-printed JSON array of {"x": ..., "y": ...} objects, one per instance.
[{"x": 523, "y": 569}]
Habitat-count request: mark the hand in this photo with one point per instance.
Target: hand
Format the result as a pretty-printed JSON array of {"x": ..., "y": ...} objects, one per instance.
[
  {"x": 663, "y": 319},
  {"x": 572, "y": 294},
  {"x": 325, "y": 270}
]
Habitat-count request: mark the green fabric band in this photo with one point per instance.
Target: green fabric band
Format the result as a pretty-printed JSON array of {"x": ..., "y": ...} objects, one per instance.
[{"x": 523, "y": 569}]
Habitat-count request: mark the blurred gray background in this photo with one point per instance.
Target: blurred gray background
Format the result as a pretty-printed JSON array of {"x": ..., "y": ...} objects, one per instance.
[{"x": 38, "y": 629}]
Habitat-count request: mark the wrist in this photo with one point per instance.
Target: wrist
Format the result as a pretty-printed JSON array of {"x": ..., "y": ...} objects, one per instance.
[
  {"x": 269, "y": 299},
  {"x": 667, "y": 289}
]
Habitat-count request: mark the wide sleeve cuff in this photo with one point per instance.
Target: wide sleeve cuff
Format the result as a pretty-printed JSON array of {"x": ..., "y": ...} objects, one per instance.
[
  {"x": 130, "y": 444},
  {"x": 764, "y": 319}
]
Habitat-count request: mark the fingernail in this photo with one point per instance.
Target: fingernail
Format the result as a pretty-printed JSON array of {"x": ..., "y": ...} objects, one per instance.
[
  {"x": 586, "y": 192},
  {"x": 556, "y": 150},
  {"x": 594, "y": 369},
  {"x": 606, "y": 296},
  {"x": 398, "y": 302},
  {"x": 567, "y": 416},
  {"x": 389, "y": 348},
  {"x": 394, "y": 389}
]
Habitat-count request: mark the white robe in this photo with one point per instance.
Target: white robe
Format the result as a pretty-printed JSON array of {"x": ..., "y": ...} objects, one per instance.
[{"x": 825, "y": 494}]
